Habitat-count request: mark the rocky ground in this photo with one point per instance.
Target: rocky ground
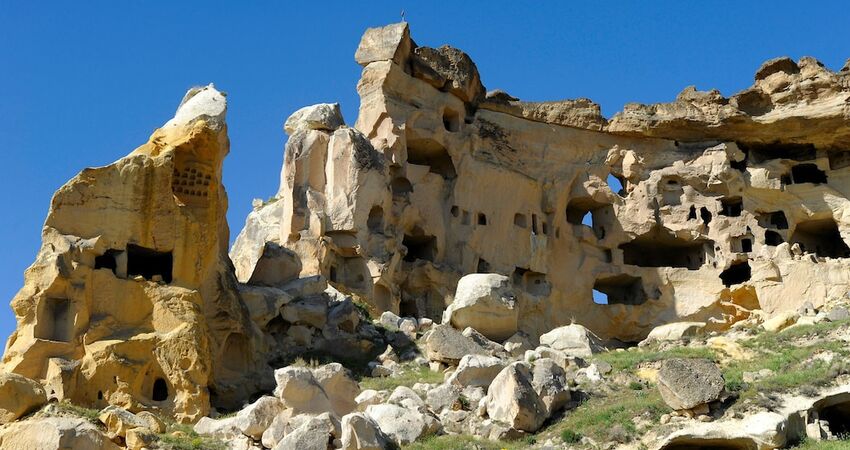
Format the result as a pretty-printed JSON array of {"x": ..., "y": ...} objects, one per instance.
[{"x": 780, "y": 383}]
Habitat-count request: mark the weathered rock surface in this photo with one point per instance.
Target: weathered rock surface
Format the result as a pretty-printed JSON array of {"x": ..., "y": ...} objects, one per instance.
[
  {"x": 688, "y": 383},
  {"x": 573, "y": 340},
  {"x": 402, "y": 425},
  {"x": 359, "y": 432},
  {"x": 448, "y": 345},
  {"x": 19, "y": 396},
  {"x": 54, "y": 433}
]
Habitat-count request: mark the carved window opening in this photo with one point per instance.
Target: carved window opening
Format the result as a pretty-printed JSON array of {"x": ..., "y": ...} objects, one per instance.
[
  {"x": 662, "y": 249},
  {"x": 375, "y": 222},
  {"x": 621, "y": 290},
  {"x": 672, "y": 191},
  {"x": 455, "y": 211},
  {"x": 807, "y": 173},
  {"x": 773, "y": 219},
  {"x": 705, "y": 215},
  {"x": 617, "y": 184},
  {"x": 839, "y": 160},
  {"x": 759, "y": 153},
  {"x": 108, "y": 260},
  {"x": 820, "y": 237},
  {"x": 731, "y": 206},
  {"x": 835, "y": 410},
  {"x": 55, "y": 321},
  {"x": 451, "y": 120},
  {"x": 586, "y": 211},
  {"x": 532, "y": 282},
  {"x": 772, "y": 238},
  {"x": 520, "y": 220},
  {"x": 736, "y": 274},
  {"x": 149, "y": 263},
  {"x": 482, "y": 219},
  {"x": 483, "y": 266}
]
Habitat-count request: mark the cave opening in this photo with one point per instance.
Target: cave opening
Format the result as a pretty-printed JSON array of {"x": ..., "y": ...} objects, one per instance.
[
  {"x": 705, "y": 215},
  {"x": 159, "y": 392},
  {"x": 806, "y": 173},
  {"x": 401, "y": 186},
  {"x": 772, "y": 238},
  {"x": 451, "y": 120},
  {"x": 482, "y": 219},
  {"x": 520, "y": 220},
  {"x": 427, "y": 152},
  {"x": 108, "y": 260},
  {"x": 55, "y": 321},
  {"x": 149, "y": 263},
  {"x": 621, "y": 289},
  {"x": 672, "y": 191},
  {"x": 731, "y": 206},
  {"x": 773, "y": 219},
  {"x": 375, "y": 221},
  {"x": 586, "y": 211},
  {"x": 534, "y": 283},
  {"x": 820, "y": 237},
  {"x": 736, "y": 274},
  {"x": 759, "y": 153},
  {"x": 836, "y": 414},
  {"x": 839, "y": 159},
  {"x": 660, "y": 248},
  {"x": 617, "y": 184},
  {"x": 710, "y": 444},
  {"x": 419, "y": 246}
]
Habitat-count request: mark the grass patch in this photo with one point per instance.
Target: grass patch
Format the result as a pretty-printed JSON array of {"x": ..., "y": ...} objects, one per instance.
[
  {"x": 843, "y": 444},
  {"x": 630, "y": 360},
  {"x": 598, "y": 416},
  {"x": 461, "y": 442},
  {"x": 408, "y": 375},
  {"x": 68, "y": 408},
  {"x": 183, "y": 437}
]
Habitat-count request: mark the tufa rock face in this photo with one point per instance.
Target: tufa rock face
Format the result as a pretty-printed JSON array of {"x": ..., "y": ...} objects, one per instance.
[
  {"x": 701, "y": 210},
  {"x": 131, "y": 300},
  {"x": 689, "y": 383}
]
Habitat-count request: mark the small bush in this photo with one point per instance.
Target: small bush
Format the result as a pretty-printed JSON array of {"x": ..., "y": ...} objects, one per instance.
[
  {"x": 635, "y": 386},
  {"x": 570, "y": 436}
]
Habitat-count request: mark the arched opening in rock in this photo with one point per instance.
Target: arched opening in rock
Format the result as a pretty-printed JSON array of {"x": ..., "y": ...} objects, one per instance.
[
  {"x": 375, "y": 222},
  {"x": 455, "y": 211},
  {"x": 772, "y": 238},
  {"x": 520, "y": 220},
  {"x": 600, "y": 298},
  {"x": 820, "y": 237},
  {"x": 621, "y": 289},
  {"x": 401, "y": 186},
  {"x": 806, "y": 173},
  {"x": 55, "y": 321},
  {"x": 705, "y": 215},
  {"x": 710, "y": 444},
  {"x": 617, "y": 184},
  {"x": 149, "y": 263},
  {"x": 731, "y": 206},
  {"x": 407, "y": 307},
  {"x": 451, "y": 120},
  {"x": 108, "y": 260},
  {"x": 596, "y": 215},
  {"x": 736, "y": 274},
  {"x": 427, "y": 152},
  {"x": 419, "y": 245},
  {"x": 742, "y": 244},
  {"x": 234, "y": 355},
  {"x": 659, "y": 248},
  {"x": 759, "y": 153},
  {"x": 482, "y": 219},
  {"x": 483, "y": 266},
  {"x": 159, "y": 393},
  {"x": 534, "y": 283}
]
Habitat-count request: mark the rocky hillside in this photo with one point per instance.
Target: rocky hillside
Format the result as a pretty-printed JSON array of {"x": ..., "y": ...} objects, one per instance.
[{"x": 458, "y": 269}]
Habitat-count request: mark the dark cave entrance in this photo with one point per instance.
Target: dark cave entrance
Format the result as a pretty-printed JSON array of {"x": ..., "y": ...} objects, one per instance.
[
  {"x": 659, "y": 248},
  {"x": 149, "y": 263},
  {"x": 622, "y": 290},
  {"x": 736, "y": 274},
  {"x": 820, "y": 237}
]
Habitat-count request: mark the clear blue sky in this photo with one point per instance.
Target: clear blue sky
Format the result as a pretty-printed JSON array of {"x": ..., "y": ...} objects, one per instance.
[{"x": 83, "y": 83}]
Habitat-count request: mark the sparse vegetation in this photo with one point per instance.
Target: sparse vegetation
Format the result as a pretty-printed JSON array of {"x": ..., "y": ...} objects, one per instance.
[
  {"x": 570, "y": 436},
  {"x": 456, "y": 442},
  {"x": 408, "y": 375},
  {"x": 630, "y": 360},
  {"x": 843, "y": 444},
  {"x": 70, "y": 409},
  {"x": 183, "y": 437}
]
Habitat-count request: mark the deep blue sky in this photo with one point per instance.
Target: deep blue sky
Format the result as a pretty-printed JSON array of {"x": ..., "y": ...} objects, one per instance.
[{"x": 83, "y": 83}]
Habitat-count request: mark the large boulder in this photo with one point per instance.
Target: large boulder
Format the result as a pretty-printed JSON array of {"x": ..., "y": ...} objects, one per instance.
[
  {"x": 674, "y": 331},
  {"x": 574, "y": 340},
  {"x": 449, "y": 68},
  {"x": 402, "y": 425},
  {"x": 18, "y": 396},
  {"x": 359, "y": 432},
  {"x": 339, "y": 386},
  {"x": 550, "y": 383},
  {"x": 389, "y": 43},
  {"x": 54, "y": 433},
  {"x": 317, "y": 433},
  {"x": 119, "y": 421},
  {"x": 254, "y": 419},
  {"x": 485, "y": 302},
  {"x": 476, "y": 370},
  {"x": 446, "y": 344},
  {"x": 688, "y": 383},
  {"x": 299, "y": 390},
  {"x": 511, "y": 399}
]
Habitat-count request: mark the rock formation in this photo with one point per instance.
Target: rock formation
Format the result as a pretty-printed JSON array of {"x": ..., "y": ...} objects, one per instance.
[
  {"x": 132, "y": 299},
  {"x": 700, "y": 210},
  {"x": 480, "y": 232}
]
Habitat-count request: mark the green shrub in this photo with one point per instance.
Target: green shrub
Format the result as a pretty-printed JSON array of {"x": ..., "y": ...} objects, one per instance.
[{"x": 570, "y": 436}]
